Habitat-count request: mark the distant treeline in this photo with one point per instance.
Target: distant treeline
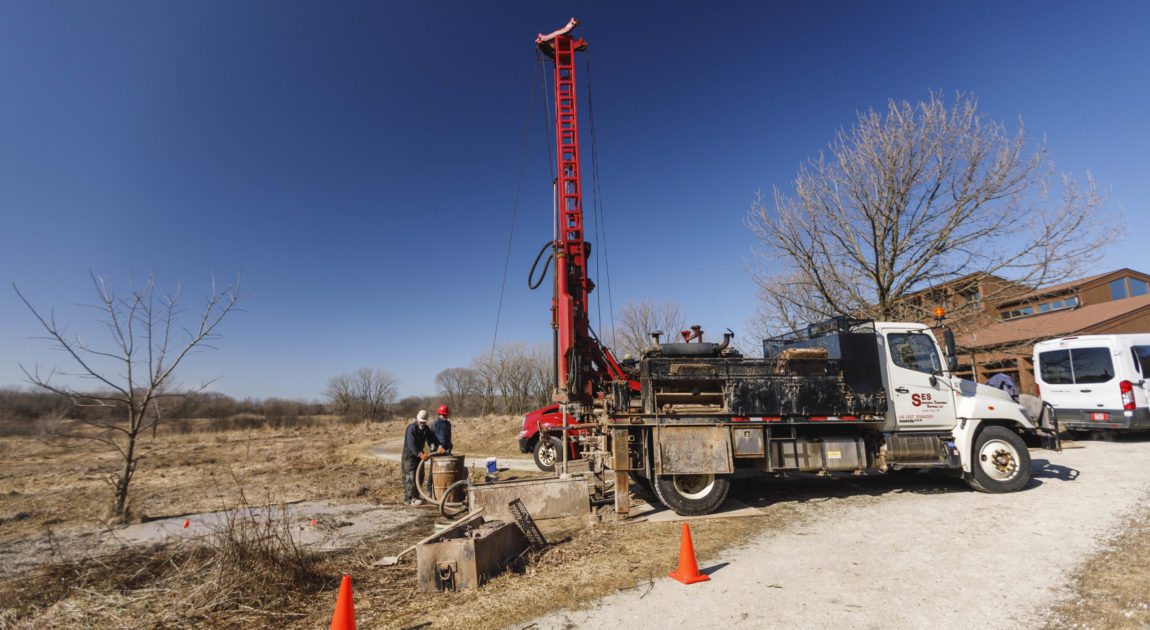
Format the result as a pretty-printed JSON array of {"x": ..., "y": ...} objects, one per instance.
[
  {"x": 515, "y": 378},
  {"x": 25, "y": 411}
]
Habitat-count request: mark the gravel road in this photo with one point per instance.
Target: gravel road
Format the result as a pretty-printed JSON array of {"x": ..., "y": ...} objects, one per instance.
[{"x": 911, "y": 552}]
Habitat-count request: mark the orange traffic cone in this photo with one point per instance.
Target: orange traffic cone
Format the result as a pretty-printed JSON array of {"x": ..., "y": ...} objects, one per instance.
[
  {"x": 688, "y": 571},
  {"x": 313, "y": 522},
  {"x": 344, "y": 617},
  {"x": 187, "y": 521}
]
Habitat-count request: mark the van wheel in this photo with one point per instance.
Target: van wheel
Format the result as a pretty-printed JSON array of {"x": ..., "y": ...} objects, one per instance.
[
  {"x": 547, "y": 453},
  {"x": 1001, "y": 461},
  {"x": 691, "y": 495}
]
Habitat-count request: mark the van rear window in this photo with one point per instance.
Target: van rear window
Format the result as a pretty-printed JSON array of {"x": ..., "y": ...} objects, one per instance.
[
  {"x": 1078, "y": 365},
  {"x": 1141, "y": 358},
  {"x": 1055, "y": 367},
  {"x": 1091, "y": 365}
]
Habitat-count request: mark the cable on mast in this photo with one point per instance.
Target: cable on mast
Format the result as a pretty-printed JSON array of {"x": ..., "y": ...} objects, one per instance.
[{"x": 514, "y": 210}]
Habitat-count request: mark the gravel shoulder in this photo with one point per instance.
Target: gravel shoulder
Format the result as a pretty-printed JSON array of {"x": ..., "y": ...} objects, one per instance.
[{"x": 904, "y": 557}]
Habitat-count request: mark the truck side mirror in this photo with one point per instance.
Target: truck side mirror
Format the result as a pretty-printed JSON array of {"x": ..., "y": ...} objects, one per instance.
[{"x": 951, "y": 354}]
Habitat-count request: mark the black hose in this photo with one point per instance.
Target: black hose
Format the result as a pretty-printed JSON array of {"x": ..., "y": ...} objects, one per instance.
[{"x": 531, "y": 274}]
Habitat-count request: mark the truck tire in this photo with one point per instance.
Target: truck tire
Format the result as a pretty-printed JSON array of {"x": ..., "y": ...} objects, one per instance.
[
  {"x": 691, "y": 495},
  {"x": 1001, "y": 461},
  {"x": 548, "y": 452}
]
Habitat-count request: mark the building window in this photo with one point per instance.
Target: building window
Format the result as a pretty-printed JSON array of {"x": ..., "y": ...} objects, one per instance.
[
  {"x": 1127, "y": 287},
  {"x": 1019, "y": 312},
  {"x": 1118, "y": 289},
  {"x": 1046, "y": 307},
  {"x": 1137, "y": 287}
]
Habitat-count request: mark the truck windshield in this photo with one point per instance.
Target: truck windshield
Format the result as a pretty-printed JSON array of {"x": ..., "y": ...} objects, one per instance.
[{"x": 914, "y": 351}]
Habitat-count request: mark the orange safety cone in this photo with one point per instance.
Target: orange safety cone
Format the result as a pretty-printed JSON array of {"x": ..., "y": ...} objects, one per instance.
[
  {"x": 344, "y": 617},
  {"x": 187, "y": 521},
  {"x": 313, "y": 522},
  {"x": 688, "y": 571}
]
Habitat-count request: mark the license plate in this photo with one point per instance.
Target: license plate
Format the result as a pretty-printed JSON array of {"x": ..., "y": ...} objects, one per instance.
[{"x": 1099, "y": 416}]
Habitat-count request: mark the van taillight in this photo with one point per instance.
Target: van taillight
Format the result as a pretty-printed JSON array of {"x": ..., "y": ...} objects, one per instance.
[
  {"x": 1127, "y": 389},
  {"x": 1038, "y": 390}
]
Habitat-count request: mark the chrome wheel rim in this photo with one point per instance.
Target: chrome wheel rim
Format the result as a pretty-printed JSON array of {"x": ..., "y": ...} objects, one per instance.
[
  {"x": 999, "y": 460},
  {"x": 694, "y": 486}
]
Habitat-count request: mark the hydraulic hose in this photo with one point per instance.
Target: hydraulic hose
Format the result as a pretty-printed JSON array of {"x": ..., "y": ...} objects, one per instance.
[
  {"x": 444, "y": 504},
  {"x": 543, "y": 274}
]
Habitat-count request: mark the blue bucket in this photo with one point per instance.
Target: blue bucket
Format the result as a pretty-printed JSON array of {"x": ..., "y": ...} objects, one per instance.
[{"x": 490, "y": 464}]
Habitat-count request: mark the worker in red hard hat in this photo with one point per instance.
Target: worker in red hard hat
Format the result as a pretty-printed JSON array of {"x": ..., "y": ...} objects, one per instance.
[
  {"x": 441, "y": 433},
  {"x": 442, "y": 428}
]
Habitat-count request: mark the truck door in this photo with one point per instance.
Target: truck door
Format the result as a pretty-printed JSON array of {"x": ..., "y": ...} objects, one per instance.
[{"x": 920, "y": 393}]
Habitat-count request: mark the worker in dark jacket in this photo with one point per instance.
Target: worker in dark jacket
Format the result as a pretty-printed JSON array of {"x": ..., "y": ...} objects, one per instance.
[
  {"x": 442, "y": 428},
  {"x": 415, "y": 438}
]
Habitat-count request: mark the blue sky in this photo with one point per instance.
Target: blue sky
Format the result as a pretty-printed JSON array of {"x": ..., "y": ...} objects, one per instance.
[{"x": 358, "y": 161}]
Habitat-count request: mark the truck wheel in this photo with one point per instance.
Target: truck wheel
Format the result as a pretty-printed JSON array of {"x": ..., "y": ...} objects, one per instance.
[
  {"x": 1001, "y": 461},
  {"x": 547, "y": 453},
  {"x": 691, "y": 495}
]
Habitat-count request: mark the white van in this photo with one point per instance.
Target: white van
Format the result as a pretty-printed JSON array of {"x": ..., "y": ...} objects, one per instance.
[{"x": 1096, "y": 382}]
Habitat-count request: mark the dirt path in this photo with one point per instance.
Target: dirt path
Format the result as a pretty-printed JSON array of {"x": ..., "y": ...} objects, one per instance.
[
  {"x": 391, "y": 452},
  {"x": 909, "y": 554}
]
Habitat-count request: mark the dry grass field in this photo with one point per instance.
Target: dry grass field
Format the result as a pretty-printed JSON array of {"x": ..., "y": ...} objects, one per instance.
[{"x": 253, "y": 574}]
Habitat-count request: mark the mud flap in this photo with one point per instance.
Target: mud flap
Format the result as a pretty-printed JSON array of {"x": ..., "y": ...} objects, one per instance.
[
  {"x": 1047, "y": 429},
  {"x": 693, "y": 450}
]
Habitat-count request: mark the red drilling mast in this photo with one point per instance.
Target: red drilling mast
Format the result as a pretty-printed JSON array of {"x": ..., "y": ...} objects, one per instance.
[{"x": 583, "y": 364}]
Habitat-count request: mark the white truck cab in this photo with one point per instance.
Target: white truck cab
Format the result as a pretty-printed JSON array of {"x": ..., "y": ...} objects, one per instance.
[
  {"x": 1096, "y": 382},
  {"x": 924, "y": 396}
]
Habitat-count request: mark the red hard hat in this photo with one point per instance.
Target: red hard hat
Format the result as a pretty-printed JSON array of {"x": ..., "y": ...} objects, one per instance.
[{"x": 443, "y": 410}]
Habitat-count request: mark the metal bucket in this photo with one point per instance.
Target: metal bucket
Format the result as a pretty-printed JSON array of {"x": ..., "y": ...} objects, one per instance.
[{"x": 446, "y": 470}]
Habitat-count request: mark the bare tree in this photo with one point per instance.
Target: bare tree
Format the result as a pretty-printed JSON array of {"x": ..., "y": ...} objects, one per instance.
[
  {"x": 458, "y": 386},
  {"x": 486, "y": 371},
  {"x": 928, "y": 193},
  {"x": 542, "y": 376},
  {"x": 339, "y": 392},
  {"x": 133, "y": 373},
  {"x": 376, "y": 390},
  {"x": 637, "y": 320},
  {"x": 366, "y": 392}
]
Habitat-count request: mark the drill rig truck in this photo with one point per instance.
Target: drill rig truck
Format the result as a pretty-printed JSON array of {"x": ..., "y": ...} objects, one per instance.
[{"x": 847, "y": 395}]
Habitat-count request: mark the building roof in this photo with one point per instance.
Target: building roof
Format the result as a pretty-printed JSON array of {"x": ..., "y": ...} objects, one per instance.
[
  {"x": 1053, "y": 324},
  {"x": 957, "y": 281},
  {"x": 1062, "y": 286}
]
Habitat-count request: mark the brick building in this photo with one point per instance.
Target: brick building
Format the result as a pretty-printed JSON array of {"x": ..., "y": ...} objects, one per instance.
[{"x": 998, "y": 322}]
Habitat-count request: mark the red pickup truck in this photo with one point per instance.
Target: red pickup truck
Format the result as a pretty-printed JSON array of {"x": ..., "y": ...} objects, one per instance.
[{"x": 542, "y": 433}]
